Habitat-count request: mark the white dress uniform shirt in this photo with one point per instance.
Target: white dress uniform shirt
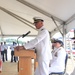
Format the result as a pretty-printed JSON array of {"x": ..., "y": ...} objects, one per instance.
[
  {"x": 12, "y": 47},
  {"x": 5, "y": 46},
  {"x": 42, "y": 45},
  {"x": 58, "y": 61},
  {"x": 2, "y": 47}
]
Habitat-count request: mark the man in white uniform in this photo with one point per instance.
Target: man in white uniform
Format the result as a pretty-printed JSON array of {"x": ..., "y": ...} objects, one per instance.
[
  {"x": 2, "y": 51},
  {"x": 5, "y": 50},
  {"x": 42, "y": 46},
  {"x": 13, "y": 58}
]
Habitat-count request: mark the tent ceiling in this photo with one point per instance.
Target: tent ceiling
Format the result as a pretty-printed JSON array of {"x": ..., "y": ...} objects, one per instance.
[{"x": 16, "y": 17}]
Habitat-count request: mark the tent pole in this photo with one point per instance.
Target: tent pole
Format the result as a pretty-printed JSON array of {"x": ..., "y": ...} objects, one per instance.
[
  {"x": 56, "y": 25},
  {"x": 64, "y": 36},
  {"x": 72, "y": 18}
]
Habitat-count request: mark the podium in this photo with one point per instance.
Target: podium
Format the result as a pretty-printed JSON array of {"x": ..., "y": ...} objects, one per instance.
[{"x": 25, "y": 63}]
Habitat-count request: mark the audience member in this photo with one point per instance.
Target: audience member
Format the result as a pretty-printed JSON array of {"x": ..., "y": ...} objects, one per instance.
[
  {"x": 5, "y": 50},
  {"x": 58, "y": 60},
  {"x": 13, "y": 58},
  {"x": 2, "y": 51}
]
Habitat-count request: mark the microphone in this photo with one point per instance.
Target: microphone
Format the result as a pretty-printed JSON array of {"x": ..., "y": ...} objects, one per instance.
[
  {"x": 25, "y": 34},
  {"x": 22, "y": 36}
]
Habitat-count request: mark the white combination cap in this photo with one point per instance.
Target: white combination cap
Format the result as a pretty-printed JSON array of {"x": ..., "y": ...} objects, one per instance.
[{"x": 37, "y": 19}]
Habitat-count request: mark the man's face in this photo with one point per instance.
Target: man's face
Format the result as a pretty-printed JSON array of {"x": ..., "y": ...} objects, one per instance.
[{"x": 38, "y": 24}]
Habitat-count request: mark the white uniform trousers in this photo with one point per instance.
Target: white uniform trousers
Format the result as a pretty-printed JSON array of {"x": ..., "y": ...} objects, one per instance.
[{"x": 43, "y": 68}]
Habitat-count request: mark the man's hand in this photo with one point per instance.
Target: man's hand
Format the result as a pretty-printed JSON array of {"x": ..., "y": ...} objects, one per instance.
[{"x": 19, "y": 48}]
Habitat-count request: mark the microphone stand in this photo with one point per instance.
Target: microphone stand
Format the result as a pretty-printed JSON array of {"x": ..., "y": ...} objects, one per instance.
[
  {"x": 17, "y": 40},
  {"x": 22, "y": 37}
]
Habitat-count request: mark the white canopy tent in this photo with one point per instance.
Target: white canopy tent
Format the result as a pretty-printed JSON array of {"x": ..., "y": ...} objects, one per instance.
[{"x": 16, "y": 16}]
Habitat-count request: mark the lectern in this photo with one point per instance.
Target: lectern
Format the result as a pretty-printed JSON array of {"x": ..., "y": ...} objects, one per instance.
[{"x": 25, "y": 64}]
